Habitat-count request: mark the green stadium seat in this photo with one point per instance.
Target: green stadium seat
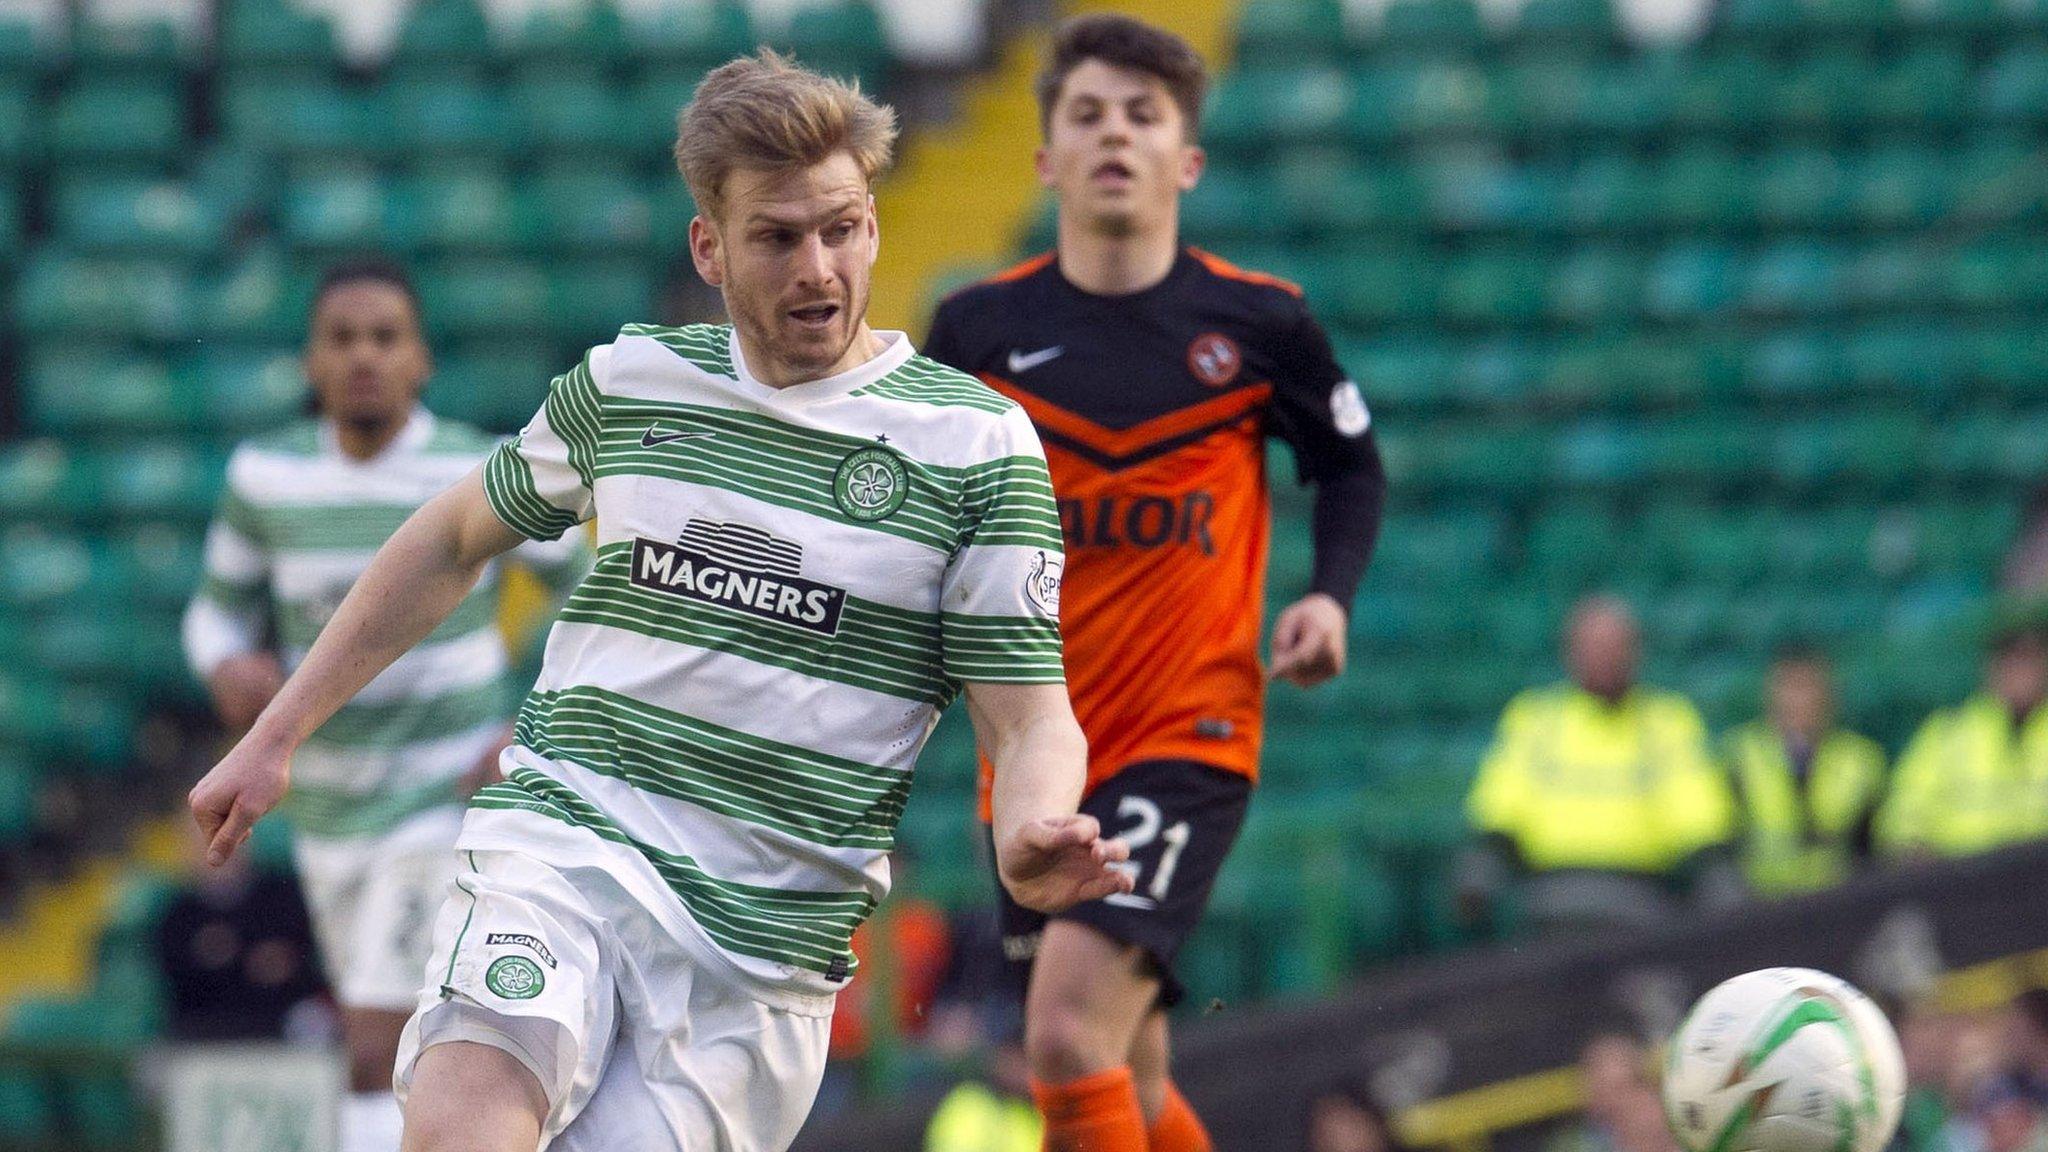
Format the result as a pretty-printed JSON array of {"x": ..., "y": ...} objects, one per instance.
[
  {"x": 140, "y": 47},
  {"x": 470, "y": 297},
  {"x": 496, "y": 386},
  {"x": 1903, "y": 355},
  {"x": 575, "y": 112},
  {"x": 336, "y": 208},
  {"x": 461, "y": 210},
  {"x": 1431, "y": 26},
  {"x": 1769, "y": 22},
  {"x": 584, "y": 36},
  {"x": 1229, "y": 205},
  {"x": 1719, "y": 92},
  {"x": 131, "y": 215},
  {"x": 261, "y": 298},
  {"x": 74, "y": 391},
  {"x": 274, "y": 34},
  {"x": 18, "y": 133},
  {"x": 1492, "y": 287},
  {"x": 1927, "y": 84},
  {"x": 161, "y": 563},
  {"x": 588, "y": 211},
  {"x": 450, "y": 115},
  {"x": 588, "y": 302},
  {"x": 657, "y": 97},
  {"x": 2014, "y": 85},
  {"x": 23, "y": 53},
  {"x": 1294, "y": 105},
  {"x": 1572, "y": 544},
  {"x": 102, "y": 299},
  {"x": 1703, "y": 452},
  {"x": 843, "y": 38},
  {"x": 11, "y": 212},
  {"x": 290, "y": 116},
  {"x": 1430, "y": 99},
  {"x": 135, "y": 122},
  {"x": 1692, "y": 281},
  {"x": 699, "y": 36},
  {"x": 1608, "y": 191},
  {"x": 1593, "y": 284},
  {"x": 442, "y": 33},
  {"x": 159, "y": 480},
  {"x": 2000, "y": 271},
  {"x": 1489, "y": 195},
  {"x": 1890, "y": 275},
  {"x": 1571, "y": 25},
  {"x": 1279, "y": 33},
  {"x": 1598, "y": 453},
  {"x": 1825, "y": 88},
  {"x": 1384, "y": 285},
  {"x": 1992, "y": 180},
  {"x": 237, "y": 390},
  {"x": 1793, "y": 278},
  {"x": 1802, "y": 187},
  {"x": 1899, "y": 187},
  {"x": 1376, "y": 195},
  {"x": 1704, "y": 186}
]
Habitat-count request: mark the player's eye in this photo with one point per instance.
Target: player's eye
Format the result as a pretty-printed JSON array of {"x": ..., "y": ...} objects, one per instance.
[{"x": 843, "y": 230}]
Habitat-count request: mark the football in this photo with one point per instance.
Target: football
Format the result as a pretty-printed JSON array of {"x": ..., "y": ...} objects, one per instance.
[{"x": 1784, "y": 1060}]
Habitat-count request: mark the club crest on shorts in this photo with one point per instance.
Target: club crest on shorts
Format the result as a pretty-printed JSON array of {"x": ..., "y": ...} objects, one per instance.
[
  {"x": 871, "y": 483},
  {"x": 514, "y": 978}
]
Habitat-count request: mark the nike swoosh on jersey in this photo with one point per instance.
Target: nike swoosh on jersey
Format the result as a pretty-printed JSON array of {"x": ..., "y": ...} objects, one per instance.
[
  {"x": 1026, "y": 361},
  {"x": 654, "y": 438}
]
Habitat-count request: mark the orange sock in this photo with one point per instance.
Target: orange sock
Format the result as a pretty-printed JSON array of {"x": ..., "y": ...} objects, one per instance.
[
  {"x": 1097, "y": 1113},
  {"x": 1178, "y": 1129}
]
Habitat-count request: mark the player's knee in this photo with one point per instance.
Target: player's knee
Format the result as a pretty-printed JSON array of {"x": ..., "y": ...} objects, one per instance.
[{"x": 1063, "y": 1043}]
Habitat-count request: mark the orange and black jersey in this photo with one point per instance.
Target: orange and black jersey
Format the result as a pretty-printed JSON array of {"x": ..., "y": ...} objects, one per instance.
[{"x": 1154, "y": 408}]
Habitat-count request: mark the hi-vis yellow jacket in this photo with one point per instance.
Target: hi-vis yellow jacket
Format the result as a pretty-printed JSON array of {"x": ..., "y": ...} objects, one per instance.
[
  {"x": 1970, "y": 781},
  {"x": 1798, "y": 836},
  {"x": 1577, "y": 782}
]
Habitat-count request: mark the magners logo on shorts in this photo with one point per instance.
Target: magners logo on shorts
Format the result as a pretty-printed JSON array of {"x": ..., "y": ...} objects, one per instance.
[{"x": 741, "y": 567}]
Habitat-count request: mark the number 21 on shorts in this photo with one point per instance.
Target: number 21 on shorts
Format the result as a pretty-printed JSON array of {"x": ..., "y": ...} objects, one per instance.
[{"x": 1142, "y": 820}]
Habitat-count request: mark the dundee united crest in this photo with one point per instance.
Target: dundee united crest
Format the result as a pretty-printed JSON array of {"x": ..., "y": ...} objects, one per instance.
[
  {"x": 514, "y": 978},
  {"x": 872, "y": 483}
]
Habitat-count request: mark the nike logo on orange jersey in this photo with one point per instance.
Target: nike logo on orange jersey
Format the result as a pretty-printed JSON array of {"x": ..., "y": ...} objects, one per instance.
[{"x": 1026, "y": 361}]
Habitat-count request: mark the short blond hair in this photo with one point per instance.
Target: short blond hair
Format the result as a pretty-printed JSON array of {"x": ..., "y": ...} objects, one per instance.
[{"x": 766, "y": 113}]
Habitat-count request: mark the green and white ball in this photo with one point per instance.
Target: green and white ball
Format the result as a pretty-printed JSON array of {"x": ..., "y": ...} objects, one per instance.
[{"x": 1784, "y": 1060}]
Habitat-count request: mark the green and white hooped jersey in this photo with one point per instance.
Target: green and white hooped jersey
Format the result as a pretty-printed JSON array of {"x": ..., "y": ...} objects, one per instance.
[
  {"x": 790, "y": 585},
  {"x": 298, "y": 522}
]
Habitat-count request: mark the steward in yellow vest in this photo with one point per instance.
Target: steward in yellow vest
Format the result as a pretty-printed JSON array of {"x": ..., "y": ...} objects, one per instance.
[
  {"x": 1806, "y": 791},
  {"x": 1606, "y": 785},
  {"x": 1975, "y": 777}
]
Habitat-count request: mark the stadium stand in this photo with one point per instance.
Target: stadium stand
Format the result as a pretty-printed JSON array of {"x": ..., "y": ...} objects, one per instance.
[{"x": 1741, "y": 328}]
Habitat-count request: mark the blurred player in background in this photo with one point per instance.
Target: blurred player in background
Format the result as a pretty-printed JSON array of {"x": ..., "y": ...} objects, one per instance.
[
  {"x": 809, "y": 539},
  {"x": 380, "y": 786},
  {"x": 1154, "y": 373}
]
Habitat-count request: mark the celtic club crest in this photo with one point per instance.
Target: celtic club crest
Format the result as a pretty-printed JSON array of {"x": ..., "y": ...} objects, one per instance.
[
  {"x": 514, "y": 978},
  {"x": 871, "y": 483}
]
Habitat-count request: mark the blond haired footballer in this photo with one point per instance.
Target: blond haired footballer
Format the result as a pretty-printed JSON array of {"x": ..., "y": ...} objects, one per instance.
[{"x": 809, "y": 540}]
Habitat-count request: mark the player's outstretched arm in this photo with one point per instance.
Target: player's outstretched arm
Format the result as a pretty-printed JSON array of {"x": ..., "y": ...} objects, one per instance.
[
  {"x": 1049, "y": 856},
  {"x": 416, "y": 579}
]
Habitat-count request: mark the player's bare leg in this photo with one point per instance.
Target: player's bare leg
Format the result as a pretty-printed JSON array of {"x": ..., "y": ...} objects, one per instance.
[
  {"x": 1149, "y": 1061},
  {"x": 370, "y": 1119},
  {"x": 1088, "y": 996},
  {"x": 472, "y": 1098}
]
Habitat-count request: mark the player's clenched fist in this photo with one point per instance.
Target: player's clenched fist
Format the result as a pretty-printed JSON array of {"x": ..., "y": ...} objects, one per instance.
[
  {"x": 1056, "y": 862},
  {"x": 247, "y": 783}
]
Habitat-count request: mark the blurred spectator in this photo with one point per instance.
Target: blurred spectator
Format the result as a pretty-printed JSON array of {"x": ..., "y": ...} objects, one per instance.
[
  {"x": 2026, "y": 1043},
  {"x": 1600, "y": 793},
  {"x": 994, "y": 1114},
  {"x": 2025, "y": 571},
  {"x": 1975, "y": 777},
  {"x": 236, "y": 950},
  {"x": 1623, "y": 1110},
  {"x": 1806, "y": 790},
  {"x": 1346, "y": 1117}
]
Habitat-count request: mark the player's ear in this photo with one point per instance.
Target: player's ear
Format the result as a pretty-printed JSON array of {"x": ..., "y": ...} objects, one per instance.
[
  {"x": 1043, "y": 164},
  {"x": 874, "y": 231},
  {"x": 704, "y": 241},
  {"x": 1193, "y": 162}
]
